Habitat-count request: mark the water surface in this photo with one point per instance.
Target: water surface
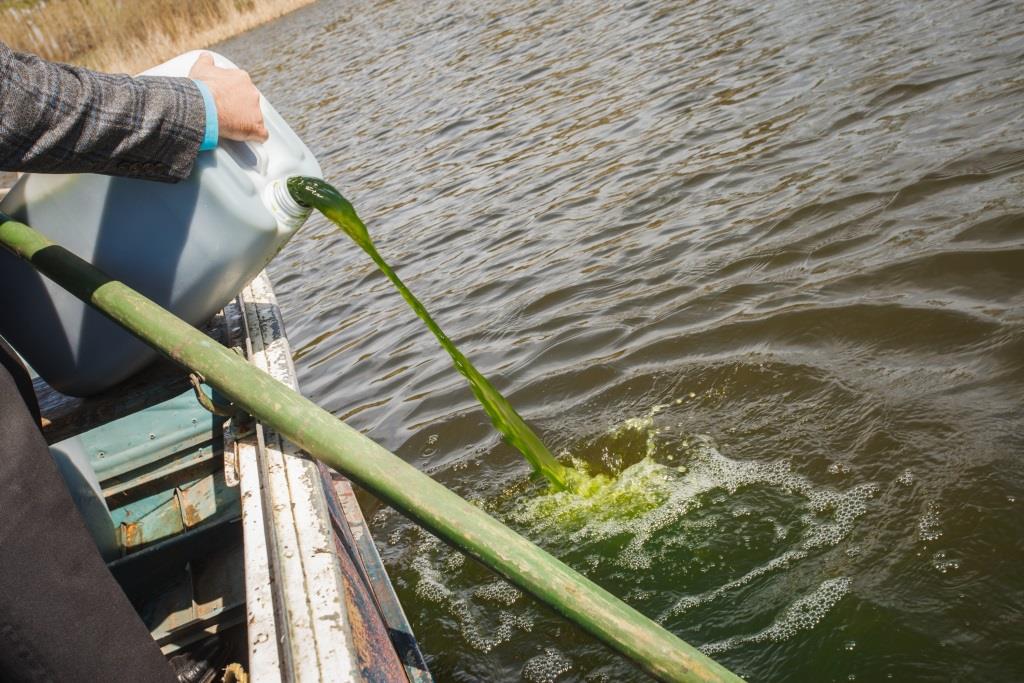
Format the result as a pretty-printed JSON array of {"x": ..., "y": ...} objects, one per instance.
[{"x": 765, "y": 260}]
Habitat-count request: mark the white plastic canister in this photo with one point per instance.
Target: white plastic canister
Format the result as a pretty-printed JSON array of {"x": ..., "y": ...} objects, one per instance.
[{"x": 189, "y": 246}]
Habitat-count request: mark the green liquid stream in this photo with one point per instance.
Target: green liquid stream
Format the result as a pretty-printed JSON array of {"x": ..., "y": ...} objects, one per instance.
[{"x": 325, "y": 198}]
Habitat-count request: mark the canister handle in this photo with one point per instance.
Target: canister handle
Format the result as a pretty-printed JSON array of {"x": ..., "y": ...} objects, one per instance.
[{"x": 259, "y": 150}]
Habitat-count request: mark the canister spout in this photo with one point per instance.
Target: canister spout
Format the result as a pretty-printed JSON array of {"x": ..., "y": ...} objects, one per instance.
[{"x": 289, "y": 213}]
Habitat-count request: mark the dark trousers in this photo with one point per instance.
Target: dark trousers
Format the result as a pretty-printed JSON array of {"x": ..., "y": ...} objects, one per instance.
[{"x": 63, "y": 617}]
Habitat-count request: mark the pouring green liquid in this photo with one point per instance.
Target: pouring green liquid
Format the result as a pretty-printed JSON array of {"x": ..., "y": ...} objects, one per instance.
[{"x": 325, "y": 198}]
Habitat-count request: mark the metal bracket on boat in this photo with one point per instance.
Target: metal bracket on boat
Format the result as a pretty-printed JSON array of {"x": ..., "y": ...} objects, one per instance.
[{"x": 197, "y": 380}]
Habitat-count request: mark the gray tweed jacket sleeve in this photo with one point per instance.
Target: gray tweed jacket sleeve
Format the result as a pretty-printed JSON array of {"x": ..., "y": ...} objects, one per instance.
[{"x": 56, "y": 118}]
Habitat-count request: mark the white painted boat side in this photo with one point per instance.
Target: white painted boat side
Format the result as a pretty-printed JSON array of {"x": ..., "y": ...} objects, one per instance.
[{"x": 299, "y": 629}]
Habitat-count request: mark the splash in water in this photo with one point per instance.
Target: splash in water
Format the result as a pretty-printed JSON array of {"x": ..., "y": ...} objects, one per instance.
[
  {"x": 684, "y": 531},
  {"x": 326, "y": 199}
]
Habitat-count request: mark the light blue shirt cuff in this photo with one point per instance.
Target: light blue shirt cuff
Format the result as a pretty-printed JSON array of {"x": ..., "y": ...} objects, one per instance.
[{"x": 212, "y": 133}]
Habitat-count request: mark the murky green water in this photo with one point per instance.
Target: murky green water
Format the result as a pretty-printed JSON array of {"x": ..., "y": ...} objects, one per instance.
[{"x": 765, "y": 260}]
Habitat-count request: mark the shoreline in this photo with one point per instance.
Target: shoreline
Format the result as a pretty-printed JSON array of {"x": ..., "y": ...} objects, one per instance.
[{"x": 97, "y": 35}]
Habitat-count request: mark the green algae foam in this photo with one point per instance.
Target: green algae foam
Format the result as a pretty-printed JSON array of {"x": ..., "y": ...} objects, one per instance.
[
  {"x": 325, "y": 198},
  {"x": 685, "y": 532}
]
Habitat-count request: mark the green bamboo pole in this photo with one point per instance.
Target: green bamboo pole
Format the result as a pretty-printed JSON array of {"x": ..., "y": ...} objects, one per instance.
[{"x": 379, "y": 471}]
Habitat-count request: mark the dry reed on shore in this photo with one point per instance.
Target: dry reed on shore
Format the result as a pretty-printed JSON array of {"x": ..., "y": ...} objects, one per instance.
[{"x": 128, "y": 35}]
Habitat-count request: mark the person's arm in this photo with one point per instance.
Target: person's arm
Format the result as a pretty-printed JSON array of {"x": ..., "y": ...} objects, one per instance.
[{"x": 56, "y": 118}]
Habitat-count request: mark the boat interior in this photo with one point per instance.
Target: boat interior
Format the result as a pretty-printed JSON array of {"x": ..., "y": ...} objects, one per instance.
[{"x": 217, "y": 528}]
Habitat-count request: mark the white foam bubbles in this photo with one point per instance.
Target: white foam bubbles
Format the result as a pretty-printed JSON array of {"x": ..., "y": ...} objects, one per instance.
[
  {"x": 650, "y": 497},
  {"x": 689, "y": 602},
  {"x": 476, "y": 626},
  {"x": 499, "y": 592},
  {"x": 547, "y": 667},
  {"x": 802, "y": 615},
  {"x": 682, "y": 515},
  {"x": 929, "y": 526},
  {"x": 944, "y": 564}
]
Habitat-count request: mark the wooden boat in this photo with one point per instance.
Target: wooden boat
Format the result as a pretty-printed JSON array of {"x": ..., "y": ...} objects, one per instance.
[{"x": 219, "y": 528}]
